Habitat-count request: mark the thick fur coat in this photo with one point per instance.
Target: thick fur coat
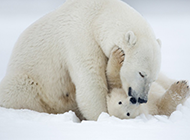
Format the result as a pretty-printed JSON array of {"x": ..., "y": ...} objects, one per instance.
[{"x": 59, "y": 62}]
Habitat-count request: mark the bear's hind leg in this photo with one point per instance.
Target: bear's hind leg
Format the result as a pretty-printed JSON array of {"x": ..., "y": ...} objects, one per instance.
[
  {"x": 164, "y": 81},
  {"x": 19, "y": 91},
  {"x": 175, "y": 95}
]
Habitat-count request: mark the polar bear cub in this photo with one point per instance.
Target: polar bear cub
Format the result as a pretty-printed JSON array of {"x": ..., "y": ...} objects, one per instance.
[{"x": 163, "y": 99}]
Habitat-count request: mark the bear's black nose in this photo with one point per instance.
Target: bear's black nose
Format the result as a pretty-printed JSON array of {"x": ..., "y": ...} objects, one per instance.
[
  {"x": 129, "y": 91},
  {"x": 141, "y": 101},
  {"x": 133, "y": 100}
]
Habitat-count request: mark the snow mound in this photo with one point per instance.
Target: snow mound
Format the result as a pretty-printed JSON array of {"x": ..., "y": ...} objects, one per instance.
[
  {"x": 27, "y": 124},
  {"x": 33, "y": 116}
]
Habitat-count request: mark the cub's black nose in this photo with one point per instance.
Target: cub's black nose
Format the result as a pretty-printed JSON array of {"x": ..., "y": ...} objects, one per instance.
[
  {"x": 129, "y": 91},
  {"x": 133, "y": 100},
  {"x": 141, "y": 101},
  {"x": 128, "y": 114}
]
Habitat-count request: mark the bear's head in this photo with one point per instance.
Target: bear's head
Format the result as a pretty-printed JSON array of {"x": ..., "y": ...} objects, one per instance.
[
  {"x": 122, "y": 26},
  {"x": 119, "y": 105},
  {"x": 141, "y": 66}
]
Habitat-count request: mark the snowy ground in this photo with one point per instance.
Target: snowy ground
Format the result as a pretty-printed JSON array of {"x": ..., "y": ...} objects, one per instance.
[{"x": 172, "y": 29}]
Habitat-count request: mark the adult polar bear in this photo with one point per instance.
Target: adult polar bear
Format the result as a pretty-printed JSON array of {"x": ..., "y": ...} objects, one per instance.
[{"x": 66, "y": 52}]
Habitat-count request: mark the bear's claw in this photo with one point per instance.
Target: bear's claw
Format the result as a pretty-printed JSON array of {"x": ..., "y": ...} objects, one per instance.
[
  {"x": 118, "y": 54},
  {"x": 181, "y": 88}
]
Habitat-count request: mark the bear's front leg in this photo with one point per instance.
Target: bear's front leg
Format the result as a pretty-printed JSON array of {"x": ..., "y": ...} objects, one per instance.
[
  {"x": 88, "y": 75},
  {"x": 91, "y": 91},
  {"x": 113, "y": 68},
  {"x": 175, "y": 95}
]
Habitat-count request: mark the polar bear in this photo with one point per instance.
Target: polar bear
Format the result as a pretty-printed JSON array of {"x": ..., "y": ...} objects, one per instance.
[
  {"x": 163, "y": 97},
  {"x": 59, "y": 62}
]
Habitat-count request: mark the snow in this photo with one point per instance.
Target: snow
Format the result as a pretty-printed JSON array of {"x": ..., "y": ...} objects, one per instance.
[
  {"x": 172, "y": 29},
  {"x": 26, "y": 124}
]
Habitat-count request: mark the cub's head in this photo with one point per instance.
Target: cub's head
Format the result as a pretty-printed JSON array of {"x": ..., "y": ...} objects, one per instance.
[
  {"x": 119, "y": 105},
  {"x": 141, "y": 66}
]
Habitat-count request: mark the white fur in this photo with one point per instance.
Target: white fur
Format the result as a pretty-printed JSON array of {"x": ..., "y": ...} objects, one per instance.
[
  {"x": 65, "y": 52},
  {"x": 120, "y": 111},
  {"x": 162, "y": 100}
]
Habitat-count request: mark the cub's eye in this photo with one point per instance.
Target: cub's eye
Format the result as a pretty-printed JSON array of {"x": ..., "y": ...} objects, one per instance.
[
  {"x": 128, "y": 114},
  {"x": 119, "y": 102},
  {"x": 141, "y": 74}
]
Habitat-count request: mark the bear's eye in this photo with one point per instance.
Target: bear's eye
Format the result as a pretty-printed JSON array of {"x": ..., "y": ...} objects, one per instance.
[
  {"x": 141, "y": 74},
  {"x": 119, "y": 102}
]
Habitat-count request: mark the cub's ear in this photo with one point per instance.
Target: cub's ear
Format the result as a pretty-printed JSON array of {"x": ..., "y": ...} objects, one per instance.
[
  {"x": 131, "y": 38},
  {"x": 159, "y": 42}
]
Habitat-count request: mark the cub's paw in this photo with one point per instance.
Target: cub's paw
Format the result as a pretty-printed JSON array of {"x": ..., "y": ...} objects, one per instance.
[
  {"x": 180, "y": 90},
  {"x": 117, "y": 56}
]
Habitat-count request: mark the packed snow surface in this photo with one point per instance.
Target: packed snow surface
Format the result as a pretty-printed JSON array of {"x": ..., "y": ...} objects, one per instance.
[
  {"x": 173, "y": 30},
  {"x": 30, "y": 125}
]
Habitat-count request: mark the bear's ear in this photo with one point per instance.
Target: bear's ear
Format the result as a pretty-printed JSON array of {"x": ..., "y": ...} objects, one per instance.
[
  {"x": 159, "y": 42},
  {"x": 131, "y": 38}
]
